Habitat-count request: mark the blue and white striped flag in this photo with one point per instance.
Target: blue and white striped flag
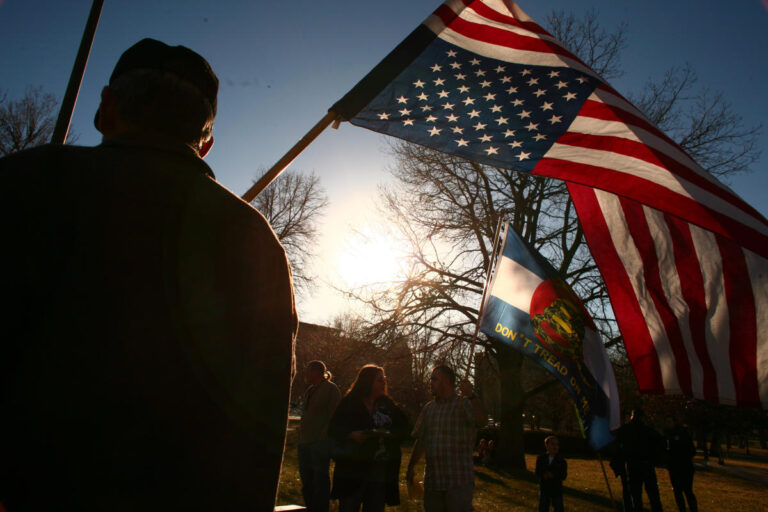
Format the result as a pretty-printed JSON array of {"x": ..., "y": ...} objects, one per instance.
[{"x": 534, "y": 311}]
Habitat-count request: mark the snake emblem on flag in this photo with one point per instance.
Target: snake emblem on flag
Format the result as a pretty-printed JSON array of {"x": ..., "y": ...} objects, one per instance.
[{"x": 558, "y": 319}]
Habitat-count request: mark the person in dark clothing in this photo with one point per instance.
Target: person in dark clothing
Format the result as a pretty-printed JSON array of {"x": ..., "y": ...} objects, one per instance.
[
  {"x": 716, "y": 446},
  {"x": 552, "y": 469},
  {"x": 314, "y": 448},
  {"x": 680, "y": 452},
  {"x": 640, "y": 446},
  {"x": 619, "y": 467},
  {"x": 367, "y": 429},
  {"x": 147, "y": 311}
]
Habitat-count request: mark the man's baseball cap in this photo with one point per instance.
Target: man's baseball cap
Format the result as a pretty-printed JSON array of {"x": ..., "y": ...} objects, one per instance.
[{"x": 176, "y": 60}]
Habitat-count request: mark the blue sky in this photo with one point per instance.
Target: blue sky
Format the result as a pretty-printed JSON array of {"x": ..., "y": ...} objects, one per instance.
[{"x": 282, "y": 64}]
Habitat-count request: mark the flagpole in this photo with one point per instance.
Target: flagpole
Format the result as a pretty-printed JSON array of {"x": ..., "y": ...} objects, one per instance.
[
  {"x": 599, "y": 457},
  {"x": 292, "y": 153},
  {"x": 76, "y": 78},
  {"x": 485, "y": 291},
  {"x": 605, "y": 475}
]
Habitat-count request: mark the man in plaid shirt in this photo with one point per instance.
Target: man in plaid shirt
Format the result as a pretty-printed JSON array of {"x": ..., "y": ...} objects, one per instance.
[{"x": 445, "y": 431}]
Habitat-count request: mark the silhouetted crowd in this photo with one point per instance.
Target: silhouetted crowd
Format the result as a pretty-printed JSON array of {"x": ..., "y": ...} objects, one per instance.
[{"x": 639, "y": 449}]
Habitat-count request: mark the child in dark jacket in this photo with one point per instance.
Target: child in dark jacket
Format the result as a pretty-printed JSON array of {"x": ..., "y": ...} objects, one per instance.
[{"x": 551, "y": 469}]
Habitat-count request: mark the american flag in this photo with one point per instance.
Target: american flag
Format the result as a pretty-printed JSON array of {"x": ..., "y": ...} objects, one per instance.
[
  {"x": 482, "y": 109},
  {"x": 692, "y": 304},
  {"x": 481, "y": 80}
]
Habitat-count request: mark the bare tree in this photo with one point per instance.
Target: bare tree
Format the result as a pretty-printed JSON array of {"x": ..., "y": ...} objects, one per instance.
[
  {"x": 585, "y": 37},
  {"x": 293, "y": 204},
  {"x": 26, "y": 122},
  {"x": 700, "y": 121}
]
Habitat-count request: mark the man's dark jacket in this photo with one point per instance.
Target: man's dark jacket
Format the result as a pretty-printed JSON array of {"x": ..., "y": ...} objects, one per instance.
[
  {"x": 559, "y": 469},
  {"x": 640, "y": 443},
  {"x": 147, "y": 334},
  {"x": 680, "y": 451}
]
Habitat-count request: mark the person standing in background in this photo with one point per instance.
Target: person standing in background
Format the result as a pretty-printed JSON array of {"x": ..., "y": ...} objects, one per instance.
[
  {"x": 680, "y": 453},
  {"x": 319, "y": 402},
  {"x": 640, "y": 446},
  {"x": 445, "y": 431},
  {"x": 367, "y": 429},
  {"x": 552, "y": 469}
]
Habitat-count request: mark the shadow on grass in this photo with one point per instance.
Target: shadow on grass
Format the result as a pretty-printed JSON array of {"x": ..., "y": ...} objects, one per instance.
[
  {"x": 497, "y": 476},
  {"x": 517, "y": 474},
  {"x": 489, "y": 479},
  {"x": 499, "y": 485},
  {"x": 589, "y": 497}
]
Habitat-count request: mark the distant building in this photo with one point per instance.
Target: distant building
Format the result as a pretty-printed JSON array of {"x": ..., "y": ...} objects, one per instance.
[{"x": 344, "y": 355}]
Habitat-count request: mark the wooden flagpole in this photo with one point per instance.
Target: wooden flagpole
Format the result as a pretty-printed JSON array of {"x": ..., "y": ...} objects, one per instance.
[
  {"x": 76, "y": 78},
  {"x": 292, "y": 153},
  {"x": 485, "y": 291}
]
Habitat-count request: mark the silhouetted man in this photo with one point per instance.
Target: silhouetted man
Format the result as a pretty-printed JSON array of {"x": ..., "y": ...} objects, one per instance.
[
  {"x": 680, "y": 453},
  {"x": 640, "y": 445},
  {"x": 148, "y": 325}
]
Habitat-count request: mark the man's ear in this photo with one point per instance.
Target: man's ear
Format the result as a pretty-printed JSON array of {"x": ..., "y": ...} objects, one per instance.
[
  {"x": 107, "y": 116},
  {"x": 205, "y": 147}
]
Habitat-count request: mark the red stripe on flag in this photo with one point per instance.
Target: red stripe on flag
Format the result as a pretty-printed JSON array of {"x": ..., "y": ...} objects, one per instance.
[
  {"x": 653, "y": 156},
  {"x": 494, "y": 15},
  {"x": 507, "y": 39},
  {"x": 694, "y": 296},
  {"x": 606, "y": 112},
  {"x": 445, "y": 14},
  {"x": 742, "y": 322},
  {"x": 604, "y": 86},
  {"x": 656, "y": 196},
  {"x": 644, "y": 241},
  {"x": 637, "y": 338}
]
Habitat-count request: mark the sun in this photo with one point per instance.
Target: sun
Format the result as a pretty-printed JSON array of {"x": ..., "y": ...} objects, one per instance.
[{"x": 369, "y": 256}]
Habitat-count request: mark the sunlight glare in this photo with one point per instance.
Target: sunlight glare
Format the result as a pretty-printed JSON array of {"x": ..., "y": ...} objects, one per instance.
[{"x": 370, "y": 256}]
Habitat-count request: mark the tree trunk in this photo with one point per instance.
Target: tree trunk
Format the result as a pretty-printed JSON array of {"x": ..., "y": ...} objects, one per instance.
[{"x": 510, "y": 452}]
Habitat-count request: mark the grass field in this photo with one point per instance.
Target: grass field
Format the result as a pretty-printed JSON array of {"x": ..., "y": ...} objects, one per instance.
[{"x": 739, "y": 486}]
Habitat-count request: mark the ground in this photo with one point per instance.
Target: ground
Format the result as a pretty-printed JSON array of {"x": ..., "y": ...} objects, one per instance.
[{"x": 741, "y": 485}]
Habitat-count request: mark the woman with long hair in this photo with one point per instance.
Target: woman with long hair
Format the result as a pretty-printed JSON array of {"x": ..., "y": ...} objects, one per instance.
[{"x": 367, "y": 429}]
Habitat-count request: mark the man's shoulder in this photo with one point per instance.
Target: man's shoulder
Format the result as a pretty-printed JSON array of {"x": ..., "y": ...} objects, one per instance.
[
  {"x": 147, "y": 179},
  {"x": 330, "y": 387},
  {"x": 429, "y": 407},
  {"x": 43, "y": 149},
  {"x": 45, "y": 173},
  {"x": 41, "y": 155},
  {"x": 126, "y": 166},
  {"x": 425, "y": 413}
]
